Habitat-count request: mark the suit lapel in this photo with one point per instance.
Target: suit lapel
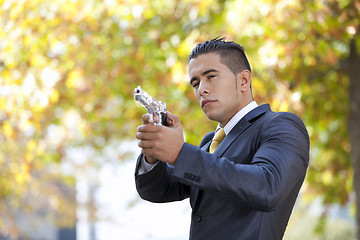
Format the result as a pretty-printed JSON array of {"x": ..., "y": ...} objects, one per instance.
[
  {"x": 206, "y": 146},
  {"x": 240, "y": 127}
]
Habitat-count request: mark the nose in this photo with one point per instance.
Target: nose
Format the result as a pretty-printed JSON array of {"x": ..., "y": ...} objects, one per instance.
[{"x": 203, "y": 89}]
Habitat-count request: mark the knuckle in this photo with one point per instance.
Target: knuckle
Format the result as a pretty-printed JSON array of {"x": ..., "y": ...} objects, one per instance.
[
  {"x": 158, "y": 137},
  {"x": 138, "y": 135},
  {"x": 157, "y": 147},
  {"x": 140, "y": 128}
]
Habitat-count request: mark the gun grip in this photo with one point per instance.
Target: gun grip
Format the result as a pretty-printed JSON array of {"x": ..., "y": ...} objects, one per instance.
[{"x": 163, "y": 119}]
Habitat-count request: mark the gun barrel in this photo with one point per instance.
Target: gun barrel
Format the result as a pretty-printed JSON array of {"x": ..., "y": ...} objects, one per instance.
[
  {"x": 147, "y": 101},
  {"x": 152, "y": 105}
]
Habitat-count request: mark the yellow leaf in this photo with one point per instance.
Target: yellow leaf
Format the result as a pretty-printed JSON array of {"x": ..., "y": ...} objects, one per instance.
[
  {"x": 74, "y": 79},
  {"x": 23, "y": 174},
  {"x": 31, "y": 145},
  {"x": 8, "y": 131},
  {"x": 326, "y": 177},
  {"x": 54, "y": 97},
  {"x": 177, "y": 72}
]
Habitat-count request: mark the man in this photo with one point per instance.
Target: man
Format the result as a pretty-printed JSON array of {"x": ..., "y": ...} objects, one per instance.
[{"x": 247, "y": 187}]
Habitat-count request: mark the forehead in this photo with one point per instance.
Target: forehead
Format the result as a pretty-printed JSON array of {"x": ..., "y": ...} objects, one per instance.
[{"x": 204, "y": 62}]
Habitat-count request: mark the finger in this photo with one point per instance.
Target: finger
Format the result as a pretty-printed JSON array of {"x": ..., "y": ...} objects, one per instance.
[
  {"x": 169, "y": 122},
  {"x": 144, "y": 144},
  {"x": 148, "y": 152},
  {"x": 146, "y": 136},
  {"x": 172, "y": 118},
  {"x": 139, "y": 136},
  {"x": 147, "y": 145},
  {"x": 148, "y": 128},
  {"x": 146, "y": 118}
]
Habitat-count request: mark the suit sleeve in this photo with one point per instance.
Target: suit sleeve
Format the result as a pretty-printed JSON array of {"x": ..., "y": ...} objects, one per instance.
[
  {"x": 158, "y": 186},
  {"x": 277, "y": 168}
]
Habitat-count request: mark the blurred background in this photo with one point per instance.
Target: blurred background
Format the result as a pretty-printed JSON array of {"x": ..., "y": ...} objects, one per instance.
[{"x": 68, "y": 118}]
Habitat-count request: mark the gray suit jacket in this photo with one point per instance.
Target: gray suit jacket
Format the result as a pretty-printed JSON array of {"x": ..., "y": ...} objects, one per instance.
[{"x": 247, "y": 188}]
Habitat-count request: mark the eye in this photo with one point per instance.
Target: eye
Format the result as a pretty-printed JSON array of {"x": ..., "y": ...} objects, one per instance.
[
  {"x": 194, "y": 84},
  {"x": 211, "y": 76}
]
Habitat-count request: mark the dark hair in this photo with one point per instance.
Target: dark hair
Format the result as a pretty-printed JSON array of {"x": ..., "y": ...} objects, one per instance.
[{"x": 231, "y": 53}]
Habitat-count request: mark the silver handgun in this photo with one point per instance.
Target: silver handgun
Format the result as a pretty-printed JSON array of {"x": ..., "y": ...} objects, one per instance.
[{"x": 154, "y": 107}]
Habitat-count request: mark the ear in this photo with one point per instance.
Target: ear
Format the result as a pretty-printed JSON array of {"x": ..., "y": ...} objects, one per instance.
[{"x": 244, "y": 80}]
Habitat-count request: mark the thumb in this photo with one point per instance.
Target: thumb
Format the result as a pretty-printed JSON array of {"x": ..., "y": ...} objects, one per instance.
[{"x": 172, "y": 119}]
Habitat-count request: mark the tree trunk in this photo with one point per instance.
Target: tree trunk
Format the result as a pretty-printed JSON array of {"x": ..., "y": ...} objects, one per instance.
[{"x": 353, "y": 71}]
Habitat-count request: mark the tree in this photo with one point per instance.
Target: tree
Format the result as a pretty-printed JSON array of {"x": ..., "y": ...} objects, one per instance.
[
  {"x": 68, "y": 70},
  {"x": 317, "y": 55}
]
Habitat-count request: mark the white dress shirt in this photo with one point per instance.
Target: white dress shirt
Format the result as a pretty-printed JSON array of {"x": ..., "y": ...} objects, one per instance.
[
  {"x": 145, "y": 167},
  {"x": 238, "y": 116}
]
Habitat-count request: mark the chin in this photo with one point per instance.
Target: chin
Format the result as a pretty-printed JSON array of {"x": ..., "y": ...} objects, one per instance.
[{"x": 212, "y": 117}]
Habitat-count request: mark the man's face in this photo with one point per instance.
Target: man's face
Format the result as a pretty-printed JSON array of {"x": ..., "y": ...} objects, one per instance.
[{"x": 216, "y": 87}]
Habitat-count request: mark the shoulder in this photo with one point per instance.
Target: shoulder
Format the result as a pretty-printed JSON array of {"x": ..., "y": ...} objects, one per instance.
[
  {"x": 284, "y": 122},
  {"x": 264, "y": 112},
  {"x": 283, "y": 117}
]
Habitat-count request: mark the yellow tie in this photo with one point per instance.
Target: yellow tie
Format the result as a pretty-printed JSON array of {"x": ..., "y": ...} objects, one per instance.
[{"x": 219, "y": 136}]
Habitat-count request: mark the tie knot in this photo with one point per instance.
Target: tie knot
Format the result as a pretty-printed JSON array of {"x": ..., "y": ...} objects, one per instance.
[{"x": 219, "y": 136}]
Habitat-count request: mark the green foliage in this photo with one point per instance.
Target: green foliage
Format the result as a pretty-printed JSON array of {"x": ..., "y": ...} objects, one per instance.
[{"x": 68, "y": 70}]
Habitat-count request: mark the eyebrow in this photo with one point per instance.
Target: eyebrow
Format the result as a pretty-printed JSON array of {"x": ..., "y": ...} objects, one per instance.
[{"x": 203, "y": 74}]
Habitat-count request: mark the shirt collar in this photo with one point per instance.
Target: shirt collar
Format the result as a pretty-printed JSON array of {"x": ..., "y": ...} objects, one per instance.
[{"x": 237, "y": 117}]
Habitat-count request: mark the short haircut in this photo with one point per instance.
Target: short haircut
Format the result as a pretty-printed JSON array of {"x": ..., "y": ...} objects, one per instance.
[{"x": 231, "y": 54}]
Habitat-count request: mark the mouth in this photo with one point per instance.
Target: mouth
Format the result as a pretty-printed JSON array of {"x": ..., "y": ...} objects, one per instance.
[{"x": 206, "y": 102}]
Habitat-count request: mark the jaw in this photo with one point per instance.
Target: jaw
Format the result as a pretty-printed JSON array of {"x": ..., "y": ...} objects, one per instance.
[{"x": 215, "y": 116}]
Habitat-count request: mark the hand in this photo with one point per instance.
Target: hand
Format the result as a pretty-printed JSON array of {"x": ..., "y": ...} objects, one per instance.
[
  {"x": 146, "y": 121},
  {"x": 160, "y": 142}
]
